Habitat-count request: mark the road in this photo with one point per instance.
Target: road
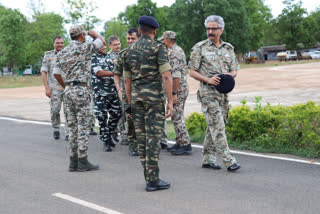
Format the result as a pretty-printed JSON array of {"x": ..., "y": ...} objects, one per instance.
[{"x": 34, "y": 167}]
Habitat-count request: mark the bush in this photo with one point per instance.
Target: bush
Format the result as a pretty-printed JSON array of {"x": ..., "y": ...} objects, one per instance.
[{"x": 293, "y": 129}]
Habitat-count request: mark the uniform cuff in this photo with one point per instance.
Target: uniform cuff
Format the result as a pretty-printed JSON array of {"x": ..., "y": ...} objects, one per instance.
[{"x": 164, "y": 67}]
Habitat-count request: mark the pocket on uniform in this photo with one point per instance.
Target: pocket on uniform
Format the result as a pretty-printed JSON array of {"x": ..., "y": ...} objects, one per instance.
[{"x": 81, "y": 96}]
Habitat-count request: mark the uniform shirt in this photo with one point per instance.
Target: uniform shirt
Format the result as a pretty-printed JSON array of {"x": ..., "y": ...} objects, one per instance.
[
  {"x": 209, "y": 60},
  {"x": 75, "y": 61},
  {"x": 178, "y": 63},
  {"x": 118, "y": 70},
  {"x": 48, "y": 64},
  {"x": 144, "y": 62},
  {"x": 102, "y": 86}
]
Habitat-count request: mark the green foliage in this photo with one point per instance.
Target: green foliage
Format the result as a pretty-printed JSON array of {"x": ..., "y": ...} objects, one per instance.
[{"x": 293, "y": 129}]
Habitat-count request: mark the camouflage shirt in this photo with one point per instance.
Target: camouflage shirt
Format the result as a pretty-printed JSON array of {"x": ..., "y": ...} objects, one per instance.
[
  {"x": 118, "y": 70},
  {"x": 75, "y": 60},
  {"x": 48, "y": 64},
  {"x": 102, "y": 86},
  {"x": 144, "y": 62},
  {"x": 209, "y": 60},
  {"x": 178, "y": 63}
]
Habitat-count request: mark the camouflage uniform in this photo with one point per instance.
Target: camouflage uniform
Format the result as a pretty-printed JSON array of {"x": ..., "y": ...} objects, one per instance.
[
  {"x": 106, "y": 99},
  {"x": 178, "y": 63},
  {"x": 118, "y": 70},
  {"x": 210, "y": 61},
  {"x": 74, "y": 62},
  {"x": 48, "y": 64},
  {"x": 144, "y": 62}
]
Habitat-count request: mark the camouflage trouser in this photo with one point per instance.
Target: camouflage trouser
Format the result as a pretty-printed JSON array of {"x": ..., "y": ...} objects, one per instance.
[
  {"x": 148, "y": 123},
  {"x": 77, "y": 101},
  {"x": 108, "y": 112},
  {"x": 133, "y": 146},
  {"x": 164, "y": 136},
  {"x": 93, "y": 119},
  {"x": 215, "y": 113},
  {"x": 182, "y": 135},
  {"x": 55, "y": 107},
  {"x": 121, "y": 127}
]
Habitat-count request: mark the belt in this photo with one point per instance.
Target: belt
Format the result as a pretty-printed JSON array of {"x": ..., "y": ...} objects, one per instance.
[
  {"x": 74, "y": 83},
  {"x": 204, "y": 83}
]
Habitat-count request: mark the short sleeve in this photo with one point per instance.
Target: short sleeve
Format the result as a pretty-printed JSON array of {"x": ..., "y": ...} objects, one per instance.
[
  {"x": 163, "y": 60},
  {"x": 194, "y": 62},
  {"x": 118, "y": 69},
  {"x": 57, "y": 70},
  {"x": 45, "y": 63}
]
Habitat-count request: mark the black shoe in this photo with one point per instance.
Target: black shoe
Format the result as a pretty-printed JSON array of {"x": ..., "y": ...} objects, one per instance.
[
  {"x": 73, "y": 165},
  {"x": 56, "y": 135},
  {"x": 234, "y": 167},
  {"x": 163, "y": 145},
  {"x": 92, "y": 132},
  {"x": 183, "y": 150},
  {"x": 85, "y": 165},
  {"x": 158, "y": 185},
  {"x": 211, "y": 166},
  {"x": 134, "y": 153},
  {"x": 115, "y": 138},
  {"x": 66, "y": 138},
  {"x": 173, "y": 148},
  {"x": 124, "y": 142},
  {"x": 107, "y": 147}
]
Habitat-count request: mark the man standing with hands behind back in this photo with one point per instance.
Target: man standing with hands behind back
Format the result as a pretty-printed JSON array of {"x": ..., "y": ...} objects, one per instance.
[
  {"x": 210, "y": 58},
  {"x": 146, "y": 67}
]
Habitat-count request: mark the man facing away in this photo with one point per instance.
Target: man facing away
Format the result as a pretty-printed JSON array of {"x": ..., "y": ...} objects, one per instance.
[
  {"x": 74, "y": 62},
  {"x": 208, "y": 59}
]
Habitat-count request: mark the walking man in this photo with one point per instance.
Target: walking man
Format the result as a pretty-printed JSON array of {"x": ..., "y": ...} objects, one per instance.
[{"x": 208, "y": 59}]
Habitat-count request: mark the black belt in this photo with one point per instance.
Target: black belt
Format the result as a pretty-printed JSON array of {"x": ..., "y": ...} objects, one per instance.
[{"x": 73, "y": 83}]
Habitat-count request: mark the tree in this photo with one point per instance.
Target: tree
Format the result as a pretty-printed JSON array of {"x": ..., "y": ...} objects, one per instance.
[
  {"x": 315, "y": 16},
  {"x": 117, "y": 28},
  {"x": 12, "y": 25},
  {"x": 81, "y": 12},
  {"x": 39, "y": 34}
]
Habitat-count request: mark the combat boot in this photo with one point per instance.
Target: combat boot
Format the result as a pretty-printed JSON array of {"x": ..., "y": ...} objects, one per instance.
[
  {"x": 173, "y": 148},
  {"x": 85, "y": 165},
  {"x": 157, "y": 185},
  {"x": 234, "y": 167},
  {"x": 56, "y": 135},
  {"x": 163, "y": 145},
  {"x": 115, "y": 137},
  {"x": 107, "y": 147},
  {"x": 133, "y": 152},
  {"x": 73, "y": 165},
  {"x": 183, "y": 150},
  {"x": 92, "y": 132}
]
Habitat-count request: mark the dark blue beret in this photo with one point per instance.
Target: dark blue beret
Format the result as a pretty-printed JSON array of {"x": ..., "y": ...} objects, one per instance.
[
  {"x": 149, "y": 21},
  {"x": 226, "y": 83}
]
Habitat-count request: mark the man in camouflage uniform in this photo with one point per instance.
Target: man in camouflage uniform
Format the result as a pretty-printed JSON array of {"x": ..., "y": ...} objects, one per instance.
[
  {"x": 132, "y": 36},
  {"x": 146, "y": 65},
  {"x": 107, "y": 104},
  {"x": 74, "y": 62},
  {"x": 209, "y": 58},
  {"x": 180, "y": 92},
  {"x": 53, "y": 89}
]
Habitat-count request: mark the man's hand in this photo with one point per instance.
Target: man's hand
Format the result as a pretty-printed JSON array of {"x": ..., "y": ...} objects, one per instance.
[
  {"x": 215, "y": 80},
  {"x": 48, "y": 92},
  {"x": 174, "y": 99},
  {"x": 169, "y": 110}
]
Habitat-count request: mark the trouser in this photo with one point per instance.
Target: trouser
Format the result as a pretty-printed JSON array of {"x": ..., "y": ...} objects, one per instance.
[
  {"x": 148, "y": 123},
  {"x": 108, "y": 112},
  {"x": 133, "y": 146},
  {"x": 56, "y": 100},
  {"x": 78, "y": 108},
  {"x": 214, "y": 111},
  {"x": 182, "y": 135}
]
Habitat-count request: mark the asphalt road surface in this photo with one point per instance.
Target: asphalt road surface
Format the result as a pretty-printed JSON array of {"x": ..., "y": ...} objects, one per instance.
[{"x": 34, "y": 168}]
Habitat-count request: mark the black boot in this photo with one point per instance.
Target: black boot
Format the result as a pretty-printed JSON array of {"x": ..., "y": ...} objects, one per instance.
[
  {"x": 92, "y": 132},
  {"x": 56, "y": 135},
  {"x": 107, "y": 147},
  {"x": 85, "y": 165},
  {"x": 173, "y": 148},
  {"x": 163, "y": 145},
  {"x": 157, "y": 185},
  {"x": 183, "y": 150},
  {"x": 73, "y": 165},
  {"x": 115, "y": 137},
  {"x": 234, "y": 167}
]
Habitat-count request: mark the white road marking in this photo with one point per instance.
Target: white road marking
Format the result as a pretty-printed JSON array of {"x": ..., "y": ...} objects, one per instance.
[
  {"x": 85, "y": 203},
  {"x": 195, "y": 146}
]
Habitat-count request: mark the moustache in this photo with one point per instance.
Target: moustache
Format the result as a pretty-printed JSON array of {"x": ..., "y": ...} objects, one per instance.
[{"x": 212, "y": 34}]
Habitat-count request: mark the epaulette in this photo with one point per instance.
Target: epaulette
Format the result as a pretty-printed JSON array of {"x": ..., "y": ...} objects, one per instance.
[
  {"x": 228, "y": 44},
  {"x": 48, "y": 52}
]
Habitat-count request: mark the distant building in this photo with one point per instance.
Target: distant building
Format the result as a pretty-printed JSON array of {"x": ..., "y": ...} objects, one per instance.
[{"x": 270, "y": 52}]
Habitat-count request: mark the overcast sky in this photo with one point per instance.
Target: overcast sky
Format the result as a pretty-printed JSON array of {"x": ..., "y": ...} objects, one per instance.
[{"x": 108, "y": 9}]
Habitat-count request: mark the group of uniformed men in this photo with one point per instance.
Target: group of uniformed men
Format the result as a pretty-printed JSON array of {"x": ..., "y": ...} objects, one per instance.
[{"x": 139, "y": 86}]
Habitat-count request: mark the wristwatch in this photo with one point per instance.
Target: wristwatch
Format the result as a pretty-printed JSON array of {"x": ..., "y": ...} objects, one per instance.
[{"x": 174, "y": 93}]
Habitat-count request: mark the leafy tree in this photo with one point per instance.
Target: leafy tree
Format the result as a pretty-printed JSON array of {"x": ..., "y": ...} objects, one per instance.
[
  {"x": 81, "y": 12},
  {"x": 12, "y": 25},
  {"x": 316, "y": 28},
  {"x": 117, "y": 28}
]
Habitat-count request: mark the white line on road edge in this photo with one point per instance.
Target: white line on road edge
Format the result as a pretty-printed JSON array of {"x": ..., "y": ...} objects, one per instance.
[
  {"x": 263, "y": 156},
  {"x": 85, "y": 203},
  {"x": 195, "y": 146}
]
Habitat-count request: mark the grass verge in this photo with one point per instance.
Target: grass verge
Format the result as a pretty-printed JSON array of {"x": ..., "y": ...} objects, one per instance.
[{"x": 20, "y": 81}]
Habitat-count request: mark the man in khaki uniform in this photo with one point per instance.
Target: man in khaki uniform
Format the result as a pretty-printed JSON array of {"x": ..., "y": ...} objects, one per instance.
[{"x": 208, "y": 59}]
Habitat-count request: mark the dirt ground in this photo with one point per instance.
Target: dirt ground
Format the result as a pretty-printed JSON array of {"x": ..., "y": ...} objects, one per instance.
[{"x": 285, "y": 85}]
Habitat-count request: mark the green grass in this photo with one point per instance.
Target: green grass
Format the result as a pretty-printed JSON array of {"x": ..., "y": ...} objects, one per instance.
[
  {"x": 20, "y": 81},
  {"x": 276, "y": 63}
]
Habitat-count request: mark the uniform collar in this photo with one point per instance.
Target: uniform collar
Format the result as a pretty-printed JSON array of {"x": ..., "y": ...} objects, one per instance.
[{"x": 221, "y": 43}]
